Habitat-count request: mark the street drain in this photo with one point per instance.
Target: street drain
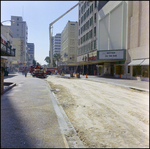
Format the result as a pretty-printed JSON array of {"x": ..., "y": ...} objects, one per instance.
[{"x": 55, "y": 90}]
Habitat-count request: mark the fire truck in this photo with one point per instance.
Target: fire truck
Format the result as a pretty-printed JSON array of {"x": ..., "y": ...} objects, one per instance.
[
  {"x": 52, "y": 70},
  {"x": 37, "y": 71}
]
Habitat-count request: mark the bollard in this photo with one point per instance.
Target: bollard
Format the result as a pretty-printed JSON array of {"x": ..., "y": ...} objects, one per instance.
[{"x": 86, "y": 76}]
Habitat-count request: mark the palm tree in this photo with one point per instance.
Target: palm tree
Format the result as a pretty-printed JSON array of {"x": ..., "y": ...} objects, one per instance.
[
  {"x": 47, "y": 59},
  {"x": 57, "y": 57}
]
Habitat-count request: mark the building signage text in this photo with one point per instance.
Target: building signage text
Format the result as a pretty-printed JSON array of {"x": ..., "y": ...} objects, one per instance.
[
  {"x": 111, "y": 54},
  {"x": 92, "y": 56}
]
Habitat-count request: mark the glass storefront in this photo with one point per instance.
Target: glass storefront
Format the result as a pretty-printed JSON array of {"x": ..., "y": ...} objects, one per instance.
[{"x": 145, "y": 71}]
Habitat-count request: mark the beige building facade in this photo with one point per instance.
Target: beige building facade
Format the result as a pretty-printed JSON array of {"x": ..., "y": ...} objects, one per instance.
[
  {"x": 138, "y": 41},
  {"x": 69, "y": 42}
]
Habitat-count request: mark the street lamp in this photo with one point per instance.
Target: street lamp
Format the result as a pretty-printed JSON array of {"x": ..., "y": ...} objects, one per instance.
[{"x": 13, "y": 21}]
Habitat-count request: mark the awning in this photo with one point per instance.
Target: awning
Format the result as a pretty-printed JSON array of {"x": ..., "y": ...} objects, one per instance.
[
  {"x": 145, "y": 62},
  {"x": 135, "y": 62}
]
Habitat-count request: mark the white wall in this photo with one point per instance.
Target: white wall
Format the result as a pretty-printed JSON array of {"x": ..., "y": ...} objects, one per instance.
[{"x": 112, "y": 26}]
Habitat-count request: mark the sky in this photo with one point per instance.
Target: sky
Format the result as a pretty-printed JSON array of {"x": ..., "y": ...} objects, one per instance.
[{"x": 38, "y": 15}]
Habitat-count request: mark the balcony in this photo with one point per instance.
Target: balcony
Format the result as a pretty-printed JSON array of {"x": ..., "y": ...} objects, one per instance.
[{"x": 6, "y": 49}]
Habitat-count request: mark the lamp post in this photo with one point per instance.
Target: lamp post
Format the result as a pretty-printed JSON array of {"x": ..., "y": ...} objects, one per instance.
[{"x": 13, "y": 21}]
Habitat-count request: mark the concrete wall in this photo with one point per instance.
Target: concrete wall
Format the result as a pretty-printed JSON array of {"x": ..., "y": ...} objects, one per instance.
[
  {"x": 138, "y": 45},
  {"x": 112, "y": 26}
]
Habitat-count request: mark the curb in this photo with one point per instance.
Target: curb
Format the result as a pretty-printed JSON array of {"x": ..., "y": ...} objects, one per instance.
[
  {"x": 65, "y": 124},
  {"x": 9, "y": 87},
  {"x": 125, "y": 86}
]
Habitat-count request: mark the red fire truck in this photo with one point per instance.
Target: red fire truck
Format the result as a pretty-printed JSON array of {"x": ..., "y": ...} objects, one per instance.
[{"x": 52, "y": 70}]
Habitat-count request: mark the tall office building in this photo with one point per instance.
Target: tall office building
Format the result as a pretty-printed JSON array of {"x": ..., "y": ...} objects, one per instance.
[
  {"x": 30, "y": 52},
  {"x": 56, "y": 43},
  {"x": 20, "y": 30},
  {"x": 87, "y": 37},
  {"x": 69, "y": 45}
]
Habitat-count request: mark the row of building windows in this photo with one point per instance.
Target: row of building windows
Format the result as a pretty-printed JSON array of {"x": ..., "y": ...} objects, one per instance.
[
  {"x": 57, "y": 36},
  {"x": 87, "y": 25},
  {"x": 87, "y": 13},
  {"x": 89, "y": 47},
  {"x": 87, "y": 36},
  {"x": 57, "y": 45},
  {"x": 57, "y": 39},
  {"x": 57, "y": 48}
]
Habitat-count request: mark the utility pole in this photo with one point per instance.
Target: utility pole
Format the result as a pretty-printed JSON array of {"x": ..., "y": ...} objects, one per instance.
[{"x": 50, "y": 35}]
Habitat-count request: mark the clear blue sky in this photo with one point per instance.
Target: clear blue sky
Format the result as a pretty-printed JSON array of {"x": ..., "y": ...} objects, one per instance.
[{"x": 38, "y": 15}]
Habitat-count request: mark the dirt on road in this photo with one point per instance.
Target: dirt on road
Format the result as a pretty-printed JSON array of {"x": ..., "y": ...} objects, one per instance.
[{"x": 104, "y": 115}]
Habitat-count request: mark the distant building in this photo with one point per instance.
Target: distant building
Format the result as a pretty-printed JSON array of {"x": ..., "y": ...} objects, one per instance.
[
  {"x": 30, "y": 52},
  {"x": 20, "y": 30},
  {"x": 69, "y": 37},
  {"x": 56, "y": 43}
]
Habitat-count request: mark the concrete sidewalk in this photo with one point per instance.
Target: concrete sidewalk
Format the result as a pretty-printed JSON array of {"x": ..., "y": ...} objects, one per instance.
[
  {"x": 127, "y": 83},
  {"x": 28, "y": 118}
]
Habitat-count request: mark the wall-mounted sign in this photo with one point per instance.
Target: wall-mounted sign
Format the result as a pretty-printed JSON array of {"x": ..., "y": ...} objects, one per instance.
[
  {"x": 92, "y": 56},
  {"x": 80, "y": 58},
  {"x": 107, "y": 55}
]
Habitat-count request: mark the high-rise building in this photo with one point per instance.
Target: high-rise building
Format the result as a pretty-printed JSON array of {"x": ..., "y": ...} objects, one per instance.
[
  {"x": 20, "y": 30},
  {"x": 56, "y": 43},
  {"x": 31, "y": 52},
  {"x": 69, "y": 42},
  {"x": 87, "y": 35}
]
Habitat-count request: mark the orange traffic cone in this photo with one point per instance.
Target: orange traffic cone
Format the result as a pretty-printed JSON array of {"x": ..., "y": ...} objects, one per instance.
[{"x": 86, "y": 76}]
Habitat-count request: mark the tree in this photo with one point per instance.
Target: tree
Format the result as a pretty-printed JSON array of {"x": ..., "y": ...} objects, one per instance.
[
  {"x": 57, "y": 57},
  {"x": 47, "y": 59}
]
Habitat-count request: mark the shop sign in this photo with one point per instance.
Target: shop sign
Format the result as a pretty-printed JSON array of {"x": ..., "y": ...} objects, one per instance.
[
  {"x": 80, "y": 58},
  {"x": 111, "y": 54},
  {"x": 92, "y": 56}
]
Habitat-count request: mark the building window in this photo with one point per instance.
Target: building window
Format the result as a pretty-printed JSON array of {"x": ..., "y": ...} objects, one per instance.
[
  {"x": 95, "y": 17},
  {"x": 128, "y": 69},
  {"x": 94, "y": 31},
  {"x": 17, "y": 24},
  {"x": 17, "y": 18},
  {"x": 94, "y": 44},
  {"x": 136, "y": 71},
  {"x": 92, "y": 8},
  {"x": 79, "y": 13},
  {"x": 95, "y": 4}
]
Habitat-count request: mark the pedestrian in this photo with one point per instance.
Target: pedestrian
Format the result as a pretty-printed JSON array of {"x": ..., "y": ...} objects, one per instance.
[{"x": 26, "y": 71}]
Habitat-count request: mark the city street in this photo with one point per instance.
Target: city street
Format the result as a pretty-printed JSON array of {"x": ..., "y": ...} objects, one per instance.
[{"x": 103, "y": 114}]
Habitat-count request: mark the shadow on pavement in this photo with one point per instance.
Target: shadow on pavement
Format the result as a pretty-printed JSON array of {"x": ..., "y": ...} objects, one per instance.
[
  {"x": 13, "y": 132},
  {"x": 9, "y": 76}
]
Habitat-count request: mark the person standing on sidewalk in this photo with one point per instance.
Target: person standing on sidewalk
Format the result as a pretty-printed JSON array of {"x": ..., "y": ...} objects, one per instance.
[{"x": 26, "y": 71}]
